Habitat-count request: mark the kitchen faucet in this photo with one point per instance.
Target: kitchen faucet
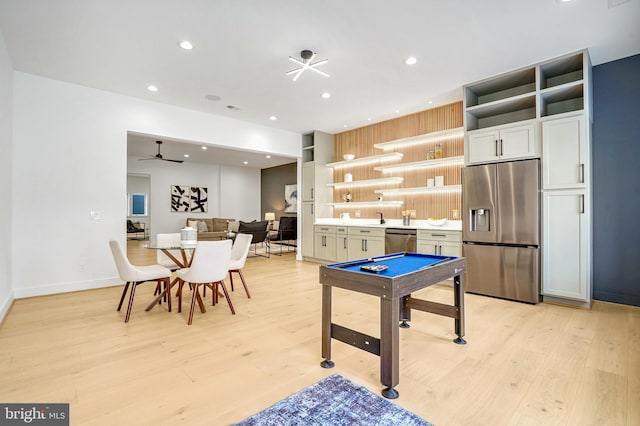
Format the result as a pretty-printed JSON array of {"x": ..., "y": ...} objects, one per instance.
[{"x": 381, "y": 218}]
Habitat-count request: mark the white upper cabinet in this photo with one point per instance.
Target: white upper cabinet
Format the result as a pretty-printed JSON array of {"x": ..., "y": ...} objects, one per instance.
[
  {"x": 493, "y": 106},
  {"x": 499, "y": 144},
  {"x": 565, "y": 148}
]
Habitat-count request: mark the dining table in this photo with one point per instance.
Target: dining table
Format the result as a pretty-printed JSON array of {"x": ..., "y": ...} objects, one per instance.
[{"x": 182, "y": 261}]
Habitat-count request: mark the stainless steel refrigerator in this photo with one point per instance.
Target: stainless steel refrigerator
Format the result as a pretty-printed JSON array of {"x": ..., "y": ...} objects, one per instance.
[{"x": 501, "y": 229}]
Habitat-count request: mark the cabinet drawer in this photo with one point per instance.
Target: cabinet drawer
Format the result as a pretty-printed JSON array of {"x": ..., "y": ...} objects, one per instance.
[
  {"x": 366, "y": 232},
  {"x": 430, "y": 234},
  {"x": 325, "y": 229}
]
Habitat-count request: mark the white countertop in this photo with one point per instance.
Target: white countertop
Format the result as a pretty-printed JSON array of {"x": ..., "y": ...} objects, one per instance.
[{"x": 450, "y": 225}]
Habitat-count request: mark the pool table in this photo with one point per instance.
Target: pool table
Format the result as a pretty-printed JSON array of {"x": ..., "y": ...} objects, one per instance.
[{"x": 392, "y": 278}]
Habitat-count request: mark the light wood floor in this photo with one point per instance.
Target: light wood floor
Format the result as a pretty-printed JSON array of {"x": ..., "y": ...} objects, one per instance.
[{"x": 523, "y": 364}]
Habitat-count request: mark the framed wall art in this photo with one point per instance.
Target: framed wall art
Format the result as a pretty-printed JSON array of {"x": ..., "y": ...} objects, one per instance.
[{"x": 291, "y": 198}]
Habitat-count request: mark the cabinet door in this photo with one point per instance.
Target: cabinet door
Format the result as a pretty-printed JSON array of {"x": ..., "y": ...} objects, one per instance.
[
  {"x": 565, "y": 245},
  {"x": 564, "y": 145},
  {"x": 325, "y": 247},
  {"x": 450, "y": 249},
  {"x": 482, "y": 147},
  {"x": 307, "y": 218},
  {"x": 308, "y": 171},
  {"x": 427, "y": 246},
  {"x": 342, "y": 248},
  {"x": 356, "y": 248},
  {"x": 517, "y": 142},
  {"x": 374, "y": 247}
]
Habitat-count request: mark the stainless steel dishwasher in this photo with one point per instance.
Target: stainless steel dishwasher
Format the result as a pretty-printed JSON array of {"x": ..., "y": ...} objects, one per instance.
[{"x": 400, "y": 239}]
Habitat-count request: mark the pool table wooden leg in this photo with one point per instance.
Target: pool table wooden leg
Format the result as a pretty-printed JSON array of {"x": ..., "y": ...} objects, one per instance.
[
  {"x": 389, "y": 344},
  {"x": 326, "y": 327},
  {"x": 458, "y": 294}
]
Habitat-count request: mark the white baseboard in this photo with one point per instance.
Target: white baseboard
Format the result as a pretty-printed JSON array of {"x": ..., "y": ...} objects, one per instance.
[
  {"x": 47, "y": 289},
  {"x": 6, "y": 305}
]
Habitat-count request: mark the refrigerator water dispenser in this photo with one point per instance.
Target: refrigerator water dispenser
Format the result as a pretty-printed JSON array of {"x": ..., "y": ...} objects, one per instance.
[{"x": 480, "y": 220}]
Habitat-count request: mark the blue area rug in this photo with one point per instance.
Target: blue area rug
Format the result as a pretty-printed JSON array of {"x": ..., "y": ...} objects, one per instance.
[{"x": 334, "y": 401}]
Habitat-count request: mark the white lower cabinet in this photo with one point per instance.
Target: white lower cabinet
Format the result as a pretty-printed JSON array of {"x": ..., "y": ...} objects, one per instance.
[
  {"x": 444, "y": 243},
  {"x": 565, "y": 244},
  {"x": 342, "y": 244},
  {"x": 365, "y": 242},
  {"x": 325, "y": 242}
]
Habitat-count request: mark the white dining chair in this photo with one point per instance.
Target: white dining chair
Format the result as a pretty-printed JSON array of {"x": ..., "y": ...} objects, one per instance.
[
  {"x": 136, "y": 275},
  {"x": 208, "y": 268},
  {"x": 239, "y": 253}
]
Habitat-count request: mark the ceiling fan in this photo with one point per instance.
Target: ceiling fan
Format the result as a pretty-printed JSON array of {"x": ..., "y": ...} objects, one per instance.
[{"x": 159, "y": 156}]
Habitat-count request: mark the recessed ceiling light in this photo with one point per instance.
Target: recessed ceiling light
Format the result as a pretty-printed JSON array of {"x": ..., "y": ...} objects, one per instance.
[
  {"x": 326, "y": 95},
  {"x": 186, "y": 156},
  {"x": 369, "y": 119},
  {"x": 273, "y": 118},
  {"x": 411, "y": 60},
  {"x": 245, "y": 162},
  {"x": 268, "y": 156},
  {"x": 430, "y": 102},
  {"x": 397, "y": 111},
  {"x": 152, "y": 88},
  {"x": 344, "y": 125},
  {"x": 186, "y": 45},
  {"x": 204, "y": 148}
]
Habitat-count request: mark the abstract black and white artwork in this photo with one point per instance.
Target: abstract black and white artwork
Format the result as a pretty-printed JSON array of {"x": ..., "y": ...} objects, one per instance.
[
  {"x": 290, "y": 198},
  {"x": 185, "y": 198},
  {"x": 180, "y": 197},
  {"x": 199, "y": 199}
]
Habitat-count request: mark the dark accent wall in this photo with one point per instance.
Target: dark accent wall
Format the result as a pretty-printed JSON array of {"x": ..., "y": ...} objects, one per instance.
[
  {"x": 273, "y": 181},
  {"x": 616, "y": 181}
]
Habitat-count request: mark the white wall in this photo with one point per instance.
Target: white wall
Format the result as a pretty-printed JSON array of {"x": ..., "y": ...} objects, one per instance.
[
  {"x": 6, "y": 113},
  {"x": 69, "y": 146},
  {"x": 234, "y": 192}
]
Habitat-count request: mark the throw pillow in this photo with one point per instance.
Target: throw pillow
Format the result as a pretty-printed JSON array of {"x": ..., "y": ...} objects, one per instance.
[
  {"x": 202, "y": 226},
  {"x": 192, "y": 224},
  {"x": 232, "y": 226}
]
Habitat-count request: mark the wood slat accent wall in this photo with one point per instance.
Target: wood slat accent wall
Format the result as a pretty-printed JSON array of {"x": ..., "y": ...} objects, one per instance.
[{"x": 360, "y": 143}]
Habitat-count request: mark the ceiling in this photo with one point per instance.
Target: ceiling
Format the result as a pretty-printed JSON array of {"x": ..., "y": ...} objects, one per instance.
[
  {"x": 241, "y": 50},
  {"x": 144, "y": 146}
]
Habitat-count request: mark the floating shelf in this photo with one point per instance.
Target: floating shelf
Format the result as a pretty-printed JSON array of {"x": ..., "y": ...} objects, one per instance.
[
  {"x": 363, "y": 204},
  {"x": 447, "y": 161},
  {"x": 370, "y": 182},
  {"x": 433, "y": 137},
  {"x": 419, "y": 190},
  {"x": 391, "y": 156}
]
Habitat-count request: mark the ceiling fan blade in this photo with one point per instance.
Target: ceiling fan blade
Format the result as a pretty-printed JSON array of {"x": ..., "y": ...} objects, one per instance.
[{"x": 173, "y": 161}]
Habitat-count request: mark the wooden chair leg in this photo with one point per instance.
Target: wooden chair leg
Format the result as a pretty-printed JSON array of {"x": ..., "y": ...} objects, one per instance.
[
  {"x": 239, "y": 271},
  {"x": 133, "y": 292},
  {"x": 231, "y": 279},
  {"x": 180, "y": 284},
  {"x": 193, "y": 303},
  {"x": 167, "y": 292},
  {"x": 226, "y": 294},
  {"x": 124, "y": 292}
]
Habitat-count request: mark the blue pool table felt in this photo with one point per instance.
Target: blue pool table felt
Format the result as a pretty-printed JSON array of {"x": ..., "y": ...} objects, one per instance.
[{"x": 397, "y": 263}]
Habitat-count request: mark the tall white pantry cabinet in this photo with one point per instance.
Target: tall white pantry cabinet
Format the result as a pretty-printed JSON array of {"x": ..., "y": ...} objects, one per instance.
[
  {"x": 544, "y": 111},
  {"x": 317, "y": 151}
]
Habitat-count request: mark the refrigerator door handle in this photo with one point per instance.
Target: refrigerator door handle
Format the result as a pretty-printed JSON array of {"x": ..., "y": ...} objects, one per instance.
[
  {"x": 582, "y": 173},
  {"x": 582, "y": 204}
]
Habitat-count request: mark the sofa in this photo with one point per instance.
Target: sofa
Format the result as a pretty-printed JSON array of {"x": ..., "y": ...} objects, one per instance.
[{"x": 212, "y": 228}]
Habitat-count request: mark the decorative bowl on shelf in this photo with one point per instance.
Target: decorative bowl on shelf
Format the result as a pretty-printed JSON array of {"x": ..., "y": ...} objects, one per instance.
[
  {"x": 348, "y": 157},
  {"x": 436, "y": 222}
]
